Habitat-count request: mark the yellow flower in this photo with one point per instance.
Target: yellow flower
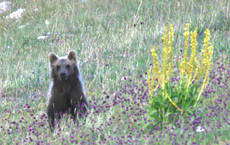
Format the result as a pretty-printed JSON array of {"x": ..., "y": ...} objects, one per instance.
[
  {"x": 205, "y": 55},
  {"x": 155, "y": 73},
  {"x": 192, "y": 65},
  {"x": 193, "y": 47},
  {"x": 183, "y": 64},
  {"x": 197, "y": 67},
  {"x": 206, "y": 62}
]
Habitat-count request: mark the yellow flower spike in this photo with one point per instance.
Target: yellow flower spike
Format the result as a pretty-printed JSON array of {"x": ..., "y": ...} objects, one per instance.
[
  {"x": 183, "y": 63},
  {"x": 154, "y": 73},
  {"x": 205, "y": 57},
  {"x": 156, "y": 68},
  {"x": 193, "y": 47},
  {"x": 181, "y": 68},
  {"x": 192, "y": 58},
  {"x": 206, "y": 40},
  {"x": 197, "y": 64},
  {"x": 210, "y": 49},
  {"x": 206, "y": 62}
]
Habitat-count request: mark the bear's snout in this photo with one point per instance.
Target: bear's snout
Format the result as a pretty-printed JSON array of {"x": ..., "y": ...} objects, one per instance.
[{"x": 63, "y": 76}]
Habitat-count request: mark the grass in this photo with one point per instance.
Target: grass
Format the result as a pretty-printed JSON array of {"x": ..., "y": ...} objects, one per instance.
[{"x": 113, "y": 40}]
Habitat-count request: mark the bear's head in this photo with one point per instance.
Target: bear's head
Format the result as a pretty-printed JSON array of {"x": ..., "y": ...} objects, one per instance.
[{"x": 63, "y": 67}]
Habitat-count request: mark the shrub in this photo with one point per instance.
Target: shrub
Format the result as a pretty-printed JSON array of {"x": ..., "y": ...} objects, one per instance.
[{"x": 168, "y": 98}]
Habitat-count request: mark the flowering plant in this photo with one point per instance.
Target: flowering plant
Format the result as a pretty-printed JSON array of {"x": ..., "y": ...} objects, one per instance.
[{"x": 168, "y": 98}]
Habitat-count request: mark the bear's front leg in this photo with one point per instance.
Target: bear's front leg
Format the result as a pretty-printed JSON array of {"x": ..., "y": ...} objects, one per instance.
[{"x": 50, "y": 112}]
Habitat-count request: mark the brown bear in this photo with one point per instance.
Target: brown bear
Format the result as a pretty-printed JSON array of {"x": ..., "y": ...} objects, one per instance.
[{"x": 66, "y": 91}]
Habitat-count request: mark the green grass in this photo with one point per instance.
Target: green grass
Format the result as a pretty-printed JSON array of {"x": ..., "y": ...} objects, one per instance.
[{"x": 119, "y": 33}]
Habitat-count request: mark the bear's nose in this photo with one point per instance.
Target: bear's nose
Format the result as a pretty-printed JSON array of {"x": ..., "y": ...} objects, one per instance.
[{"x": 63, "y": 75}]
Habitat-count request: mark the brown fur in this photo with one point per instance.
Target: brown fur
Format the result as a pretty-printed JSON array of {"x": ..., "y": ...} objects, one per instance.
[{"x": 66, "y": 92}]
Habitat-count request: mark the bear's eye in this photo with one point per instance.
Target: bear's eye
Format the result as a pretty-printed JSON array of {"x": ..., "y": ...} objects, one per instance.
[
  {"x": 68, "y": 66},
  {"x": 58, "y": 67}
]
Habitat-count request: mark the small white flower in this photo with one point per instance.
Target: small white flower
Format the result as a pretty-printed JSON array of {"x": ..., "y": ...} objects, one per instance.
[
  {"x": 16, "y": 14},
  {"x": 42, "y": 37},
  {"x": 124, "y": 78},
  {"x": 47, "y": 22},
  {"x": 200, "y": 129},
  {"x": 67, "y": 133}
]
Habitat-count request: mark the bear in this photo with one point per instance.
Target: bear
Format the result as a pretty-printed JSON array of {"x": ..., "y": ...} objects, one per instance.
[{"x": 66, "y": 90}]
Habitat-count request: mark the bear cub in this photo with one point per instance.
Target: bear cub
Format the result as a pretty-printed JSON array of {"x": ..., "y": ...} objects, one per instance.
[{"x": 66, "y": 91}]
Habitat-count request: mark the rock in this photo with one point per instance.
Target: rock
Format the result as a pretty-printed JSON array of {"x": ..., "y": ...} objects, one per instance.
[
  {"x": 16, "y": 14},
  {"x": 4, "y": 6}
]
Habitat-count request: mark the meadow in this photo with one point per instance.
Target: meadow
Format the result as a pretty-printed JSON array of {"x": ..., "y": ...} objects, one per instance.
[{"x": 113, "y": 40}]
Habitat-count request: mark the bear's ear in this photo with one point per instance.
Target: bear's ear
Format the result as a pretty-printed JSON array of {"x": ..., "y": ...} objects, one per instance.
[
  {"x": 53, "y": 57},
  {"x": 72, "y": 56}
]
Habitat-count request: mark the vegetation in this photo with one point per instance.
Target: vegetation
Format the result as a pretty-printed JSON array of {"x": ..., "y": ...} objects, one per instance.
[{"x": 183, "y": 96}]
